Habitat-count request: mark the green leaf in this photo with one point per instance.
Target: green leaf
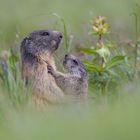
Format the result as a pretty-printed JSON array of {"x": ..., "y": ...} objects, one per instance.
[
  {"x": 90, "y": 50},
  {"x": 108, "y": 45},
  {"x": 92, "y": 66},
  {"x": 113, "y": 73},
  {"x": 104, "y": 53},
  {"x": 115, "y": 61}
]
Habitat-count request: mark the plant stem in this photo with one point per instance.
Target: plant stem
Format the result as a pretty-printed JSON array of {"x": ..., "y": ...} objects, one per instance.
[
  {"x": 65, "y": 30},
  {"x": 100, "y": 39},
  {"x": 136, "y": 40},
  {"x": 65, "y": 34},
  {"x": 100, "y": 42},
  {"x": 104, "y": 89}
]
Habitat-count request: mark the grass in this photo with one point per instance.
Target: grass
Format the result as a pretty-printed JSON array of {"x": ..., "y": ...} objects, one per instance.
[
  {"x": 119, "y": 120},
  {"x": 114, "y": 116}
]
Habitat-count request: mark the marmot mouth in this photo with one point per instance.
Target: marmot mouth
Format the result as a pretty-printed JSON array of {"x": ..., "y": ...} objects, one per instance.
[
  {"x": 64, "y": 62},
  {"x": 55, "y": 44},
  {"x": 65, "y": 59}
]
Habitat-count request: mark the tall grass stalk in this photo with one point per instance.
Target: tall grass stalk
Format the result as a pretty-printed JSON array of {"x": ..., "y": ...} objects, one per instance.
[
  {"x": 136, "y": 40},
  {"x": 65, "y": 31}
]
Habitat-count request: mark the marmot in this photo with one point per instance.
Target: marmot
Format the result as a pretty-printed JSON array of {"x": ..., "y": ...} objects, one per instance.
[
  {"x": 74, "y": 83},
  {"x": 36, "y": 52}
]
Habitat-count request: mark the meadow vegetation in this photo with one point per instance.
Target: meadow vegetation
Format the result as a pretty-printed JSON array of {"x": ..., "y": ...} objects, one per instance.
[{"x": 106, "y": 36}]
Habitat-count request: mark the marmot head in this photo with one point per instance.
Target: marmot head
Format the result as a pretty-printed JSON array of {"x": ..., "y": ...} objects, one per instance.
[
  {"x": 74, "y": 66},
  {"x": 41, "y": 43}
]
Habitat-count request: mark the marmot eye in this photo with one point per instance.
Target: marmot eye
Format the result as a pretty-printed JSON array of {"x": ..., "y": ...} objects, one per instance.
[
  {"x": 75, "y": 62},
  {"x": 45, "y": 34},
  {"x": 60, "y": 36},
  {"x": 29, "y": 38}
]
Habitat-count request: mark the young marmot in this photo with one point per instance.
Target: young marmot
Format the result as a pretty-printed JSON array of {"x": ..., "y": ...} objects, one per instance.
[
  {"x": 74, "y": 83},
  {"x": 36, "y": 52}
]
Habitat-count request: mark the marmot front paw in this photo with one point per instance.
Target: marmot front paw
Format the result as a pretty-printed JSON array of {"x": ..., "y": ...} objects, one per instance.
[{"x": 50, "y": 69}]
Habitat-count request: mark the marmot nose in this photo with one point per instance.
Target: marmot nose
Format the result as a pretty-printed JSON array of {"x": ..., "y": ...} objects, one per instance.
[
  {"x": 60, "y": 36},
  {"x": 66, "y": 55}
]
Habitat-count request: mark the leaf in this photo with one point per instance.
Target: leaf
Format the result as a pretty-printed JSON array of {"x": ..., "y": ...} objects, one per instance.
[
  {"x": 104, "y": 53},
  {"x": 112, "y": 73},
  {"x": 91, "y": 66},
  {"x": 115, "y": 61},
  {"x": 90, "y": 50},
  {"x": 108, "y": 45}
]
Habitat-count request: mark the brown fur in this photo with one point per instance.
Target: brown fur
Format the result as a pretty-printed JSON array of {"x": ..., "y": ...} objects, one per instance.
[{"x": 36, "y": 51}]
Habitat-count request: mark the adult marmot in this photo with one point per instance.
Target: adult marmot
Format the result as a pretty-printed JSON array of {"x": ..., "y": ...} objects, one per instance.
[
  {"x": 74, "y": 83},
  {"x": 36, "y": 52}
]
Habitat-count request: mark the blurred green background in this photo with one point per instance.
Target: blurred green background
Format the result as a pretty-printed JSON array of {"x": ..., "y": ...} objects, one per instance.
[
  {"x": 18, "y": 17},
  {"x": 116, "y": 118}
]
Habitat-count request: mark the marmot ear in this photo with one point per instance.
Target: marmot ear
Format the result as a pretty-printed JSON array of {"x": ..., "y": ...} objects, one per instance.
[
  {"x": 83, "y": 71},
  {"x": 25, "y": 43}
]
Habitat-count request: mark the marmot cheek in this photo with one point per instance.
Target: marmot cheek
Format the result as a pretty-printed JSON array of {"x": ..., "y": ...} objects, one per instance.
[{"x": 53, "y": 43}]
